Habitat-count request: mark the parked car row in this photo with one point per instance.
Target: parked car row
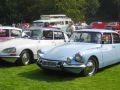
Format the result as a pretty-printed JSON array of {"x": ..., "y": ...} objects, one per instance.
[{"x": 85, "y": 52}]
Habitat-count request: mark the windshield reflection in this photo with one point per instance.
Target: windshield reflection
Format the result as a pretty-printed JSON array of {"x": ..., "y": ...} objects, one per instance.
[
  {"x": 35, "y": 34},
  {"x": 86, "y": 37}
]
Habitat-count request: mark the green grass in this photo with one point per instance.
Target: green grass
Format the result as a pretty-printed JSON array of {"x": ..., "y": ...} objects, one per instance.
[{"x": 31, "y": 77}]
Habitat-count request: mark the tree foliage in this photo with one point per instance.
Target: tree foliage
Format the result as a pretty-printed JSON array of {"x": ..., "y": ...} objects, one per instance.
[
  {"x": 91, "y": 8},
  {"x": 72, "y": 8},
  {"x": 14, "y": 11}
]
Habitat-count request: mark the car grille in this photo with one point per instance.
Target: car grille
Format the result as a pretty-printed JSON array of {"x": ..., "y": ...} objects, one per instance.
[
  {"x": 49, "y": 63},
  {"x": 46, "y": 63}
]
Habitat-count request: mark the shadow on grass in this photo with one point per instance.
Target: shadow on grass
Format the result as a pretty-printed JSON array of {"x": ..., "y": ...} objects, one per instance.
[
  {"x": 49, "y": 76},
  {"x": 107, "y": 67},
  {"x": 55, "y": 76},
  {"x": 4, "y": 64}
]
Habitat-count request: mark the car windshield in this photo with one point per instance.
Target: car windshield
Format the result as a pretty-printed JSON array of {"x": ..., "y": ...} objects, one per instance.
[
  {"x": 86, "y": 37},
  {"x": 35, "y": 34},
  {"x": 4, "y": 33}
]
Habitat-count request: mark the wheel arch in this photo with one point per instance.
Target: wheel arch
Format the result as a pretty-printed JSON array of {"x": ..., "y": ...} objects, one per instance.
[
  {"x": 31, "y": 52},
  {"x": 96, "y": 60}
]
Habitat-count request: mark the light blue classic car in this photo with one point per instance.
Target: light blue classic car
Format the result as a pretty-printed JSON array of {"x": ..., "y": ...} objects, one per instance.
[{"x": 87, "y": 51}]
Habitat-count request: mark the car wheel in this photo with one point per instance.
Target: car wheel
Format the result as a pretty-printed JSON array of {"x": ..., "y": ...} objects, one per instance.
[
  {"x": 91, "y": 67},
  {"x": 25, "y": 58}
]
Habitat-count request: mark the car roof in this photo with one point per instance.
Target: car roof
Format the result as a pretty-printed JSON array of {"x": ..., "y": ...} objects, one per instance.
[
  {"x": 98, "y": 30},
  {"x": 45, "y": 29},
  {"x": 9, "y": 27}
]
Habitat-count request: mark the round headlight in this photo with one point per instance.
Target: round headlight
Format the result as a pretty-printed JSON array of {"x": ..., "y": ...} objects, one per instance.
[
  {"x": 69, "y": 59},
  {"x": 39, "y": 54},
  {"x": 9, "y": 50},
  {"x": 78, "y": 58}
]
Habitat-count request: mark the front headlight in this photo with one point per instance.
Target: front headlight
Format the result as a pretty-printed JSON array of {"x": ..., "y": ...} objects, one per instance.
[
  {"x": 69, "y": 59},
  {"x": 78, "y": 58},
  {"x": 11, "y": 50},
  {"x": 39, "y": 54}
]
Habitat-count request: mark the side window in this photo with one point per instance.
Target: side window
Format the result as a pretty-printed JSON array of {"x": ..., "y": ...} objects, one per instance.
[
  {"x": 106, "y": 38},
  {"x": 66, "y": 22},
  {"x": 4, "y": 33},
  {"x": 58, "y": 35},
  {"x": 116, "y": 38},
  {"x": 15, "y": 33},
  {"x": 47, "y": 35}
]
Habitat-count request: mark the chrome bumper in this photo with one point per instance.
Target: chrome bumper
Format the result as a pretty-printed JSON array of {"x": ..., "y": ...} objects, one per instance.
[
  {"x": 76, "y": 68},
  {"x": 11, "y": 59}
]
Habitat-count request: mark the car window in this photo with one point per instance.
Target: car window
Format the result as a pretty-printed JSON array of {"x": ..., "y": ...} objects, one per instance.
[
  {"x": 86, "y": 37},
  {"x": 35, "y": 34},
  {"x": 106, "y": 38},
  {"x": 116, "y": 38},
  {"x": 15, "y": 33},
  {"x": 58, "y": 35},
  {"x": 4, "y": 33},
  {"x": 47, "y": 35}
]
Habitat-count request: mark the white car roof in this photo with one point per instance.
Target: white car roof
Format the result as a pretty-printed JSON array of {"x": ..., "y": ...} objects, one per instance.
[
  {"x": 98, "y": 30},
  {"x": 41, "y": 28},
  {"x": 9, "y": 27},
  {"x": 53, "y": 20}
]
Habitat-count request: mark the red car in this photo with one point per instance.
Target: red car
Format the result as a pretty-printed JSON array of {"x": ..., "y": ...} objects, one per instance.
[
  {"x": 98, "y": 25},
  {"x": 114, "y": 26}
]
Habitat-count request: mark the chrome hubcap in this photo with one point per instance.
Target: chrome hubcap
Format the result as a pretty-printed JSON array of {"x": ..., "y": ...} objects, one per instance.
[
  {"x": 25, "y": 58},
  {"x": 90, "y": 69}
]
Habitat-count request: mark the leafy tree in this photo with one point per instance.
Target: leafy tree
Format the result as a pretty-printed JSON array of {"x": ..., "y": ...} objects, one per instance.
[
  {"x": 13, "y": 11},
  {"x": 117, "y": 4},
  {"x": 108, "y": 10},
  {"x": 90, "y": 9},
  {"x": 72, "y": 8}
]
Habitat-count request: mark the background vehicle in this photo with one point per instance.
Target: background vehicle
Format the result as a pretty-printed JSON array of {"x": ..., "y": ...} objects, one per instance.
[
  {"x": 97, "y": 25},
  {"x": 114, "y": 26},
  {"x": 24, "y": 51},
  {"x": 59, "y": 21}
]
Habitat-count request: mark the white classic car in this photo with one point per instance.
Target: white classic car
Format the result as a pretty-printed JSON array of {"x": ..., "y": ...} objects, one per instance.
[
  {"x": 24, "y": 50},
  {"x": 7, "y": 32},
  {"x": 87, "y": 51}
]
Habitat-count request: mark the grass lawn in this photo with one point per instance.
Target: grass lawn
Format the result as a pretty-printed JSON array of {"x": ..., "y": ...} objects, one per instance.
[{"x": 31, "y": 77}]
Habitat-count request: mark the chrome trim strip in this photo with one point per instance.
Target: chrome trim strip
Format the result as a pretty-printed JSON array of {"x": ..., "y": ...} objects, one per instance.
[{"x": 74, "y": 66}]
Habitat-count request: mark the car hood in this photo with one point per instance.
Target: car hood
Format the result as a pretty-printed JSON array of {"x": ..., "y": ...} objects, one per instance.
[
  {"x": 16, "y": 42},
  {"x": 68, "y": 50}
]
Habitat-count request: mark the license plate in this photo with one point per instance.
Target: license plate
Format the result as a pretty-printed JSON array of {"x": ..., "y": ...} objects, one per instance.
[{"x": 48, "y": 63}]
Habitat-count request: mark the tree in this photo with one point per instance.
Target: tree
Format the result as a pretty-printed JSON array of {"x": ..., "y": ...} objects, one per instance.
[
  {"x": 117, "y": 4},
  {"x": 72, "y": 8},
  {"x": 90, "y": 9},
  {"x": 108, "y": 10}
]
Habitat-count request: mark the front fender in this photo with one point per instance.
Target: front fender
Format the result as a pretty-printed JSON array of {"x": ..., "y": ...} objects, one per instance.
[{"x": 93, "y": 52}]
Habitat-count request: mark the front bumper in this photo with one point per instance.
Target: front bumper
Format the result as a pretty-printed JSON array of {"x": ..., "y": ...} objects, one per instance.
[
  {"x": 8, "y": 58},
  {"x": 61, "y": 65}
]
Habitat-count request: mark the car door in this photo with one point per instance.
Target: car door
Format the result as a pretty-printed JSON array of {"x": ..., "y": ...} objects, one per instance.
[
  {"x": 59, "y": 38},
  {"x": 116, "y": 45},
  {"x": 108, "y": 50}
]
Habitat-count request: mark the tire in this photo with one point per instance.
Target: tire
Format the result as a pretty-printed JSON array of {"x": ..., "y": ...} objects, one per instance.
[
  {"x": 25, "y": 58},
  {"x": 91, "y": 67}
]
